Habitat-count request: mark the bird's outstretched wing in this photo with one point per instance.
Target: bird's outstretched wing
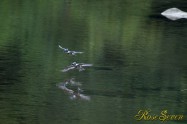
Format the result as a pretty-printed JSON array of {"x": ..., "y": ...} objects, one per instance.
[
  {"x": 61, "y": 47},
  {"x": 75, "y": 52},
  {"x": 86, "y": 65},
  {"x": 68, "y": 68}
]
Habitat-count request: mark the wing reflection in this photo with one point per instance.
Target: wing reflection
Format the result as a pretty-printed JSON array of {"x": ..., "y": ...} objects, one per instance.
[{"x": 72, "y": 88}]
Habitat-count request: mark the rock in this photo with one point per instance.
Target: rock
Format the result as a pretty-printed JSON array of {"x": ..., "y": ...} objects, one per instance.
[{"x": 174, "y": 14}]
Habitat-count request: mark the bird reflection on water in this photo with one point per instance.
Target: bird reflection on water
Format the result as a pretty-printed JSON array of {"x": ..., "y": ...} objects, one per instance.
[
  {"x": 78, "y": 95},
  {"x": 73, "y": 94},
  {"x": 64, "y": 88},
  {"x": 72, "y": 82}
]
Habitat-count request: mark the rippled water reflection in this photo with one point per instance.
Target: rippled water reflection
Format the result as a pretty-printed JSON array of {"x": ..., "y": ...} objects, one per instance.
[{"x": 139, "y": 60}]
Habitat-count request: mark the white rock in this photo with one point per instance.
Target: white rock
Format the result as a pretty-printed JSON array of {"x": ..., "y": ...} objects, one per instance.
[{"x": 174, "y": 14}]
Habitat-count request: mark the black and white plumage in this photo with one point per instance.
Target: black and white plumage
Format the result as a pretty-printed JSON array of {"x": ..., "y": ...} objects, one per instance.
[
  {"x": 75, "y": 65},
  {"x": 66, "y": 50}
]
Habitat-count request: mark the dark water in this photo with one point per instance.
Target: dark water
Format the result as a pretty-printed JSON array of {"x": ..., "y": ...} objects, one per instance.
[{"x": 139, "y": 57}]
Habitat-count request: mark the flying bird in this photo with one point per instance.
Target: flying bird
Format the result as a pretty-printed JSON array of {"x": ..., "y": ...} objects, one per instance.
[
  {"x": 66, "y": 50},
  {"x": 75, "y": 65}
]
